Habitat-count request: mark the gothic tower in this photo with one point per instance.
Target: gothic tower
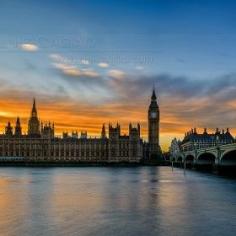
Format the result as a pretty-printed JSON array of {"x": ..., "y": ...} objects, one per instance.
[
  {"x": 34, "y": 125},
  {"x": 153, "y": 127},
  {"x": 114, "y": 138},
  {"x": 8, "y": 129},
  {"x": 103, "y": 133},
  {"x": 18, "y": 130}
]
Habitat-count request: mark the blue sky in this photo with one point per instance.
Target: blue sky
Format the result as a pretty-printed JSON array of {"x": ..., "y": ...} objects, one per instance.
[
  {"x": 182, "y": 37},
  {"x": 190, "y": 41}
]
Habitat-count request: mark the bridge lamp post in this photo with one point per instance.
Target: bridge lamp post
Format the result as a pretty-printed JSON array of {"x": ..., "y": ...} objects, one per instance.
[
  {"x": 184, "y": 164},
  {"x": 195, "y": 150},
  {"x": 218, "y": 150},
  {"x": 218, "y": 154}
]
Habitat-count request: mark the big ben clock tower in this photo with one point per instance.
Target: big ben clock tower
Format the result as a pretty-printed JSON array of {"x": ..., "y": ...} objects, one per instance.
[{"x": 153, "y": 127}]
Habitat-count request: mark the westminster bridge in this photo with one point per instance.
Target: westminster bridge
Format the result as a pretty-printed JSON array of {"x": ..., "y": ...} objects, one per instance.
[{"x": 219, "y": 156}]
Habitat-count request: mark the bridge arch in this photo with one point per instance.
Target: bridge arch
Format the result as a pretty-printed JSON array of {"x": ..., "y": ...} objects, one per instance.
[
  {"x": 229, "y": 158},
  {"x": 179, "y": 159},
  {"x": 206, "y": 159},
  {"x": 189, "y": 158}
]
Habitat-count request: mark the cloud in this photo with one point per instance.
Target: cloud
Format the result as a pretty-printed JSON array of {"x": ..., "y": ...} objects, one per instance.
[
  {"x": 67, "y": 68},
  {"x": 183, "y": 100},
  {"x": 78, "y": 80},
  {"x": 103, "y": 65},
  {"x": 73, "y": 71},
  {"x": 84, "y": 62},
  {"x": 29, "y": 47},
  {"x": 90, "y": 73},
  {"x": 57, "y": 57},
  {"x": 116, "y": 74}
]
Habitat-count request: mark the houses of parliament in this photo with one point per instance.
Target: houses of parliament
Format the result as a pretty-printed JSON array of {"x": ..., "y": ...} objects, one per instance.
[{"x": 41, "y": 144}]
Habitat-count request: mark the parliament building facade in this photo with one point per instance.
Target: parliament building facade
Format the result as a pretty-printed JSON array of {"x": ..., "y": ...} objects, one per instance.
[{"x": 41, "y": 144}]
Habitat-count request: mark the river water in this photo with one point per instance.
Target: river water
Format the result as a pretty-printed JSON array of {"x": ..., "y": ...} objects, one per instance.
[{"x": 115, "y": 201}]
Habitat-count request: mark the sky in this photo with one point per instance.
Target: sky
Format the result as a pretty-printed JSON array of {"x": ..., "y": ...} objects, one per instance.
[{"x": 93, "y": 62}]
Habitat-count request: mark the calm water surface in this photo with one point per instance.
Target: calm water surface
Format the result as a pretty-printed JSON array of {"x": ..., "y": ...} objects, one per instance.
[{"x": 115, "y": 201}]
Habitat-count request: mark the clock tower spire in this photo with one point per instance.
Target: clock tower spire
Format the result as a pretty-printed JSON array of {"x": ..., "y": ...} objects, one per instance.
[
  {"x": 153, "y": 127},
  {"x": 33, "y": 125}
]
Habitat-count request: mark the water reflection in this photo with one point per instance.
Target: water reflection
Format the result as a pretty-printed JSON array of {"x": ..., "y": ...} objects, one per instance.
[{"x": 115, "y": 201}]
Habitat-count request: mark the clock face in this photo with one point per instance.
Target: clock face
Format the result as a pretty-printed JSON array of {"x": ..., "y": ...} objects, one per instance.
[{"x": 153, "y": 114}]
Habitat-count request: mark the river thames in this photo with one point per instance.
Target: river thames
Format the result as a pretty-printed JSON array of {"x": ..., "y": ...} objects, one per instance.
[{"x": 115, "y": 201}]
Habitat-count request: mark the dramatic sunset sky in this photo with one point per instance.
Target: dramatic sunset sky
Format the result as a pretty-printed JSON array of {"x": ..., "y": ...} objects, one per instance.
[{"x": 95, "y": 61}]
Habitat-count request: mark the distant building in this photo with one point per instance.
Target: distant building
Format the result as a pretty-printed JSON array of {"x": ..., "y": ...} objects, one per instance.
[
  {"x": 41, "y": 144},
  {"x": 194, "y": 140}
]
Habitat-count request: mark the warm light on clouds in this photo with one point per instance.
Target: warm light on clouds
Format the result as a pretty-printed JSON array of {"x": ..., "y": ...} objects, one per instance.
[
  {"x": 65, "y": 66},
  {"x": 29, "y": 47},
  {"x": 89, "y": 73},
  {"x": 6, "y": 114},
  {"x": 116, "y": 74},
  {"x": 93, "y": 99},
  {"x": 103, "y": 65},
  {"x": 71, "y": 115},
  {"x": 73, "y": 71},
  {"x": 184, "y": 103}
]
